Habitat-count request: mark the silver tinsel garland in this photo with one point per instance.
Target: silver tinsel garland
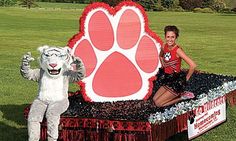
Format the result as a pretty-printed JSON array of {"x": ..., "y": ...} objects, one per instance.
[{"x": 185, "y": 106}]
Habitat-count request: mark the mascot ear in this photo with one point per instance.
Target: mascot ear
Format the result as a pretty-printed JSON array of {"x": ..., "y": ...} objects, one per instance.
[
  {"x": 67, "y": 49},
  {"x": 42, "y": 48}
]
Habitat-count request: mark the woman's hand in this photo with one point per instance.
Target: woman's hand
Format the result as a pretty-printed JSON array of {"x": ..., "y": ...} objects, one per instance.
[{"x": 163, "y": 65}]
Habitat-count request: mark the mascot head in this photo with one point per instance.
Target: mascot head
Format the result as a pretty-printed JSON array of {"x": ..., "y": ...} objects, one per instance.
[{"x": 55, "y": 60}]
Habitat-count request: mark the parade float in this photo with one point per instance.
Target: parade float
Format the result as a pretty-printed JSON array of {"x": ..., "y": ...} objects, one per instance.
[{"x": 121, "y": 57}]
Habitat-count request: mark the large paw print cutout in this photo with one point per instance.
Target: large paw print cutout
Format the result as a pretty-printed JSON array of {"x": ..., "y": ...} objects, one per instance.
[{"x": 119, "y": 51}]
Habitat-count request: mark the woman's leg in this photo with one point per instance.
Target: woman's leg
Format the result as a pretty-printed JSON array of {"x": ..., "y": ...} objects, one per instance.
[
  {"x": 159, "y": 92},
  {"x": 173, "y": 101},
  {"x": 166, "y": 99}
]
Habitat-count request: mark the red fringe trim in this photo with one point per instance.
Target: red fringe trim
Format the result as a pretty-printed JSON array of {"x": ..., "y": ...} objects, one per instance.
[
  {"x": 74, "y": 129},
  {"x": 165, "y": 130},
  {"x": 231, "y": 98}
]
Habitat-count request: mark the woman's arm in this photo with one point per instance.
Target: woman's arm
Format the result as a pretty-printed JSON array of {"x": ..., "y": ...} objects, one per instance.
[
  {"x": 189, "y": 61},
  {"x": 161, "y": 58}
]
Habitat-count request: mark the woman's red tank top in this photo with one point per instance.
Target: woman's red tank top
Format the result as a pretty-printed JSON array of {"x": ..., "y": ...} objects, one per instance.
[{"x": 172, "y": 62}]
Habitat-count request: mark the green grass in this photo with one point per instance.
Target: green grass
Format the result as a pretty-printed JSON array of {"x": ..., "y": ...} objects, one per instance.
[
  {"x": 61, "y": 5},
  {"x": 208, "y": 38}
]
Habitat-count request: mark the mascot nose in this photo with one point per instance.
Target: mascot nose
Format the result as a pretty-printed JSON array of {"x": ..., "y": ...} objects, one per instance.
[{"x": 53, "y": 65}]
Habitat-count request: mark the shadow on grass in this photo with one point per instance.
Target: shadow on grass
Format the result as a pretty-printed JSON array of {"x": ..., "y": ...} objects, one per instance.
[
  {"x": 14, "y": 113},
  {"x": 183, "y": 136},
  {"x": 8, "y": 133}
]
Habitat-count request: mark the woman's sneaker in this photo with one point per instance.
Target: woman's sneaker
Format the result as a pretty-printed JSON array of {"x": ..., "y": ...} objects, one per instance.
[{"x": 187, "y": 95}]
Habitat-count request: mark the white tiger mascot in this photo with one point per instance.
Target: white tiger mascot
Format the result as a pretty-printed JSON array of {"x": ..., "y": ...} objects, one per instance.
[{"x": 53, "y": 77}]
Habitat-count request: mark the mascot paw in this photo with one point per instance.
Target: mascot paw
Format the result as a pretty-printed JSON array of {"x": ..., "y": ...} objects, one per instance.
[
  {"x": 27, "y": 57},
  {"x": 76, "y": 61}
]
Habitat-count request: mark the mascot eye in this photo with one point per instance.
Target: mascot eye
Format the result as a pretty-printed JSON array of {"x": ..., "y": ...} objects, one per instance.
[
  {"x": 64, "y": 56},
  {"x": 46, "y": 55}
]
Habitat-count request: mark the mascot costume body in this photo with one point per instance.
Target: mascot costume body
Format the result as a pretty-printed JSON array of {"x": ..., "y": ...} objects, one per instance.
[{"x": 57, "y": 69}]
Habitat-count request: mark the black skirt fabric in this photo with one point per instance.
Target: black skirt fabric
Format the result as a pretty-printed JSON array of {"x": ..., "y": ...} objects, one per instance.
[{"x": 175, "y": 82}]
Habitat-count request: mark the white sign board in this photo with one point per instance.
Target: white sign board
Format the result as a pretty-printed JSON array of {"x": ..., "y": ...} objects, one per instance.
[{"x": 206, "y": 117}]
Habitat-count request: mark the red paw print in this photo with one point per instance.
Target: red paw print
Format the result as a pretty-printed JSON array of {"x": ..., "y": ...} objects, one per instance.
[{"x": 119, "y": 51}]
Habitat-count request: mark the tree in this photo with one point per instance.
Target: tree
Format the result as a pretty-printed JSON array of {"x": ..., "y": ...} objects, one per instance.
[
  {"x": 148, "y": 4},
  {"x": 167, "y": 3},
  {"x": 190, "y": 4},
  {"x": 28, "y": 3},
  {"x": 5, "y": 3},
  {"x": 218, "y": 5},
  {"x": 207, "y": 3},
  {"x": 112, "y": 2}
]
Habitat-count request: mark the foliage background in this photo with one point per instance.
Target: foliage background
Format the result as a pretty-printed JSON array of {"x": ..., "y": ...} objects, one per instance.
[
  {"x": 208, "y": 38},
  {"x": 226, "y": 6}
]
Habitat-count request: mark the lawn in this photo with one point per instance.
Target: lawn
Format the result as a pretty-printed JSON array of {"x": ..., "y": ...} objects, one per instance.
[
  {"x": 208, "y": 38},
  {"x": 61, "y": 5}
]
